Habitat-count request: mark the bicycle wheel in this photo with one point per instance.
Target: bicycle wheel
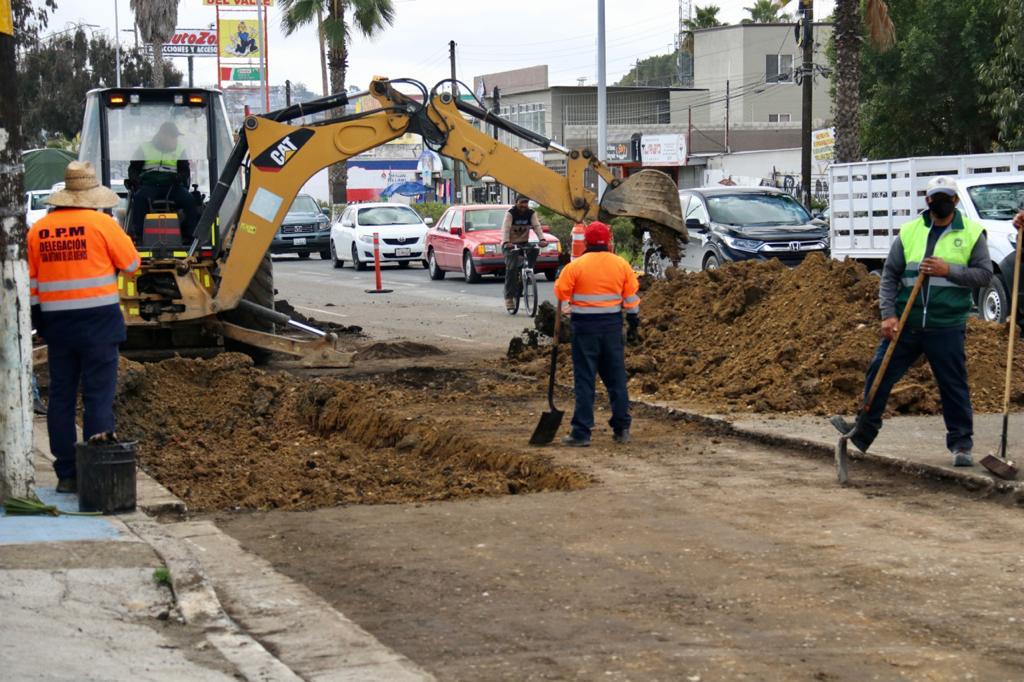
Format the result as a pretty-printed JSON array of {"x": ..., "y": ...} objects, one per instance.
[{"x": 530, "y": 292}]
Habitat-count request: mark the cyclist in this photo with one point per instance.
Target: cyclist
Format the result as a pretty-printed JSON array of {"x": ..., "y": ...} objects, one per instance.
[{"x": 515, "y": 230}]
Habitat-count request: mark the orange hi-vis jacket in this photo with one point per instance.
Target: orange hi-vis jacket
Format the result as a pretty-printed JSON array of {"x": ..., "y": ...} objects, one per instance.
[
  {"x": 599, "y": 282},
  {"x": 73, "y": 259}
]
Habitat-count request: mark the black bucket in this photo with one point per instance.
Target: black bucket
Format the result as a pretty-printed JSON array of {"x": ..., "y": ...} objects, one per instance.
[{"x": 106, "y": 477}]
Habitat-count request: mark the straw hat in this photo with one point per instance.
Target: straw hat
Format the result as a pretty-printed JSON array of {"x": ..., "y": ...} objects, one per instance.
[{"x": 82, "y": 189}]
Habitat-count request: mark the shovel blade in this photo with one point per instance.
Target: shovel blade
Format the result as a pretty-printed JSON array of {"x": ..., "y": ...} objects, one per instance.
[
  {"x": 547, "y": 427},
  {"x": 842, "y": 474},
  {"x": 1002, "y": 468}
]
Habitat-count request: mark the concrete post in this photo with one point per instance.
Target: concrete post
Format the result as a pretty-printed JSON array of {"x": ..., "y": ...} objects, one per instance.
[{"x": 16, "y": 470}]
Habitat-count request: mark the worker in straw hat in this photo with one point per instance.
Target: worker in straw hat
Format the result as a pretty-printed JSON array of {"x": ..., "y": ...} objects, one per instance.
[{"x": 74, "y": 254}]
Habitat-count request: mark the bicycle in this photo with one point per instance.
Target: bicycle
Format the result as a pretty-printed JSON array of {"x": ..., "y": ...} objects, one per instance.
[{"x": 526, "y": 289}]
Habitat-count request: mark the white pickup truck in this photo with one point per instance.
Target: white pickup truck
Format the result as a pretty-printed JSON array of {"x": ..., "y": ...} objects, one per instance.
[{"x": 869, "y": 200}]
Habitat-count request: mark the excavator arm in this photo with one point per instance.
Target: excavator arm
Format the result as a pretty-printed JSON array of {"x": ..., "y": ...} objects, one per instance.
[{"x": 282, "y": 157}]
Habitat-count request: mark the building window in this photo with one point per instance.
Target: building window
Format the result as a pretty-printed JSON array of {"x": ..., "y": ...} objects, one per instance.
[
  {"x": 778, "y": 68},
  {"x": 779, "y": 118}
]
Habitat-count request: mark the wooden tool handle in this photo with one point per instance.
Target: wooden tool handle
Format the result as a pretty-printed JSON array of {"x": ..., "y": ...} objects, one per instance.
[
  {"x": 1012, "y": 322},
  {"x": 892, "y": 344}
]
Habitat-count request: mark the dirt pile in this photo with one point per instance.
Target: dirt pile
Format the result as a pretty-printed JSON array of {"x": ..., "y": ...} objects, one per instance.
[
  {"x": 764, "y": 337},
  {"x": 224, "y": 435}
]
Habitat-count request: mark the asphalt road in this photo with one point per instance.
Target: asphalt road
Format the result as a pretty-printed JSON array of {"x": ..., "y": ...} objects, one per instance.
[{"x": 450, "y": 313}]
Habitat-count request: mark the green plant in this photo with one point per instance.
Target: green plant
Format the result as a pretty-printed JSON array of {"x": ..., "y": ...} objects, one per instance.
[
  {"x": 431, "y": 209},
  {"x": 162, "y": 576}
]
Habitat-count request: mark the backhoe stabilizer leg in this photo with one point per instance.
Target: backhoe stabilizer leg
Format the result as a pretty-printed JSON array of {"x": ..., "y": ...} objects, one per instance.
[{"x": 322, "y": 352}]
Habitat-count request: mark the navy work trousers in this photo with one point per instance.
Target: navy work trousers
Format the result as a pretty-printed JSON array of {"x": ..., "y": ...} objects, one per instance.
[
  {"x": 95, "y": 368},
  {"x": 944, "y": 348},
  {"x": 601, "y": 355}
]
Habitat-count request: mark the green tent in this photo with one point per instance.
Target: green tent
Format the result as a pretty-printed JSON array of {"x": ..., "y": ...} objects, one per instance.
[{"x": 45, "y": 167}]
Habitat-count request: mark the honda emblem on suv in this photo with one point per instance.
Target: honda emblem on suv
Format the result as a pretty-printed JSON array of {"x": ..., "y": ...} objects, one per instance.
[{"x": 794, "y": 246}]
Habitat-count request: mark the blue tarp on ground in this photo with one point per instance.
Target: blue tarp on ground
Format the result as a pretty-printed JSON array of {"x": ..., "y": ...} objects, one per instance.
[{"x": 406, "y": 189}]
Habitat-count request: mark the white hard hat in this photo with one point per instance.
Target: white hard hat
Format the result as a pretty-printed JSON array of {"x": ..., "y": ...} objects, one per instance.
[{"x": 942, "y": 184}]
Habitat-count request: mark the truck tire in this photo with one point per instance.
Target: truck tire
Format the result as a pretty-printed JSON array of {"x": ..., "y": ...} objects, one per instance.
[
  {"x": 994, "y": 301},
  {"x": 260, "y": 292}
]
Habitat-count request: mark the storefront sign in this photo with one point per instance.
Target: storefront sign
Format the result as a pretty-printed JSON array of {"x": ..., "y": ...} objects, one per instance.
[
  {"x": 617, "y": 151},
  {"x": 823, "y": 144},
  {"x": 239, "y": 73},
  {"x": 239, "y": 38},
  {"x": 237, "y": 3},
  {"x": 189, "y": 42},
  {"x": 667, "y": 149}
]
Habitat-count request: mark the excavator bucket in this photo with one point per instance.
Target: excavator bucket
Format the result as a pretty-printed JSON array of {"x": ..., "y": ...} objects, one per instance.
[{"x": 651, "y": 198}]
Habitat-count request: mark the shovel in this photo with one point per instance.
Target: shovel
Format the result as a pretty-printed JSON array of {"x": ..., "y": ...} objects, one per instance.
[
  {"x": 549, "y": 422},
  {"x": 998, "y": 463},
  {"x": 841, "y": 447}
]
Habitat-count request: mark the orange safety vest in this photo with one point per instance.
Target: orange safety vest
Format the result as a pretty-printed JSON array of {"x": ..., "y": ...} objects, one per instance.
[
  {"x": 73, "y": 258},
  {"x": 597, "y": 283}
]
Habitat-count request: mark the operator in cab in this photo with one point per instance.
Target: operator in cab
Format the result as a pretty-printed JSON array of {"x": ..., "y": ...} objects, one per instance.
[
  {"x": 159, "y": 171},
  {"x": 74, "y": 255},
  {"x": 515, "y": 231}
]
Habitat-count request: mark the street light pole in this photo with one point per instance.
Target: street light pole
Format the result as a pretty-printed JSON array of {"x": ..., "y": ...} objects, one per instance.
[
  {"x": 117, "y": 47},
  {"x": 602, "y": 96},
  {"x": 16, "y": 469},
  {"x": 807, "y": 73}
]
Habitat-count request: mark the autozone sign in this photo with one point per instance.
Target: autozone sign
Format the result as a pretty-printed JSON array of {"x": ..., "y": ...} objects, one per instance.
[{"x": 194, "y": 42}]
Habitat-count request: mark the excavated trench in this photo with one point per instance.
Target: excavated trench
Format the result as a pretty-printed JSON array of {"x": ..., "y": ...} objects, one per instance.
[{"x": 224, "y": 435}]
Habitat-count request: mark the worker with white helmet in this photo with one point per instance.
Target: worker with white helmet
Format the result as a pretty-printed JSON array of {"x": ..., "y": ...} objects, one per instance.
[{"x": 951, "y": 250}]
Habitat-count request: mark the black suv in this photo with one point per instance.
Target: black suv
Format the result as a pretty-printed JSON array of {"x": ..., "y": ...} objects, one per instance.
[
  {"x": 743, "y": 223},
  {"x": 305, "y": 229}
]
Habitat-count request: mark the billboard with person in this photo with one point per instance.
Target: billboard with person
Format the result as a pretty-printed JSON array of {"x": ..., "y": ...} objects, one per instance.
[{"x": 239, "y": 38}]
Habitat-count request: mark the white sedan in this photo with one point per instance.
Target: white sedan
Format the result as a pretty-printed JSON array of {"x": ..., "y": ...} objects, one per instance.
[
  {"x": 35, "y": 205},
  {"x": 401, "y": 230}
]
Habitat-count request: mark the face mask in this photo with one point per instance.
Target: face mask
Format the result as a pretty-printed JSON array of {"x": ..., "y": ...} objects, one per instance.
[{"x": 942, "y": 206}]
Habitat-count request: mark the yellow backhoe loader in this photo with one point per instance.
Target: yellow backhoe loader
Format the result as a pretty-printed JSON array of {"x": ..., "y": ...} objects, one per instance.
[{"x": 220, "y": 284}]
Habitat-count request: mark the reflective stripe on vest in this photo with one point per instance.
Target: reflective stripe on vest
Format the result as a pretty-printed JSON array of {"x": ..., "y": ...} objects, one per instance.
[
  {"x": 161, "y": 161},
  {"x": 945, "y": 303}
]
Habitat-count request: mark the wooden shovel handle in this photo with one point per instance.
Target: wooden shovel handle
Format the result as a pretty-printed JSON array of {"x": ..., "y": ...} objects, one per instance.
[
  {"x": 892, "y": 344},
  {"x": 1012, "y": 322}
]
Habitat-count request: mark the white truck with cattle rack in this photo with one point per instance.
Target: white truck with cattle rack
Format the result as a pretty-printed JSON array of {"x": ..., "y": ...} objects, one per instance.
[{"x": 869, "y": 200}]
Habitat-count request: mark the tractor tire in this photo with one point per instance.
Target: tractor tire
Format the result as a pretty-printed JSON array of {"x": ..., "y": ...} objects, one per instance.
[{"x": 260, "y": 292}]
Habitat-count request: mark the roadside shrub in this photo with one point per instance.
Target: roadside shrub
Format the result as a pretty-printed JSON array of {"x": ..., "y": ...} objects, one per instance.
[
  {"x": 431, "y": 209},
  {"x": 627, "y": 243}
]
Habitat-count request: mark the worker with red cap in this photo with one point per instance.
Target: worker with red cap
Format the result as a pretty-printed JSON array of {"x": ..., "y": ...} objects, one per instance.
[{"x": 599, "y": 287}]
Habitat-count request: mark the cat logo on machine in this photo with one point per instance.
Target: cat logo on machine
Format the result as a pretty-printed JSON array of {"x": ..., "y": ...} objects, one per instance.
[{"x": 277, "y": 155}]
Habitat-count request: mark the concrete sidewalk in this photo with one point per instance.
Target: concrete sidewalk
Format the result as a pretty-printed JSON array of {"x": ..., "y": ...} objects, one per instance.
[
  {"x": 80, "y": 600},
  {"x": 915, "y": 445}
]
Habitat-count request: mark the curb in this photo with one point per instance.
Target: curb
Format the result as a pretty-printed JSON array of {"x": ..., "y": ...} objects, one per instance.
[{"x": 1012, "y": 491}]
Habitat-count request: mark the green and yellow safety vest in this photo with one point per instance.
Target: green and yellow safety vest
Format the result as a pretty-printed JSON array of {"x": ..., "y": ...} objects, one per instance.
[
  {"x": 160, "y": 161},
  {"x": 944, "y": 304}
]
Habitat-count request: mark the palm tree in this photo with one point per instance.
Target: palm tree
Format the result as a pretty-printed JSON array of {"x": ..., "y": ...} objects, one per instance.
[
  {"x": 848, "y": 36},
  {"x": 156, "y": 20},
  {"x": 367, "y": 16},
  {"x": 766, "y": 12},
  {"x": 706, "y": 17}
]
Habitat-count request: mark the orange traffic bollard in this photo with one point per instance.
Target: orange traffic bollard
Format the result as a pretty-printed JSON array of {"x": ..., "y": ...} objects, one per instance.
[
  {"x": 579, "y": 246},
  {"x": 376, "y": 266}
]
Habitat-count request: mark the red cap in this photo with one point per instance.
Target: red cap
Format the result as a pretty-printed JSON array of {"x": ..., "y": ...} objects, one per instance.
[{"x": 597, "y": 234}]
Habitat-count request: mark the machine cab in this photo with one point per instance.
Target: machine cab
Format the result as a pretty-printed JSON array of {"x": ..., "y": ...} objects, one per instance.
[{"x": 161, "y": 150}]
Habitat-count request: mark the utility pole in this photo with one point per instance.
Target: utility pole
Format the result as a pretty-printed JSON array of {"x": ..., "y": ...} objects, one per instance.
[
  {"x": 807, "y": 73},
  {"x": 602, "y": 96},
  {"x": 16, "y": 469},
  {"x": 191, "y": 71},
  {"x": 728, "y": 101},
  {"x": 456, "y": 171},
  {"x": 496, "y": 107},
  {"x": 117, "y": 48},
  {"x": 262, "y": 53},
  {"x": 287, "y": 93}
]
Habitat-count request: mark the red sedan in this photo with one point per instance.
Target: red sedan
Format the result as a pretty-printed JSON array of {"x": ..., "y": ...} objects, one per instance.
[{"x": 467, "y": 239}]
